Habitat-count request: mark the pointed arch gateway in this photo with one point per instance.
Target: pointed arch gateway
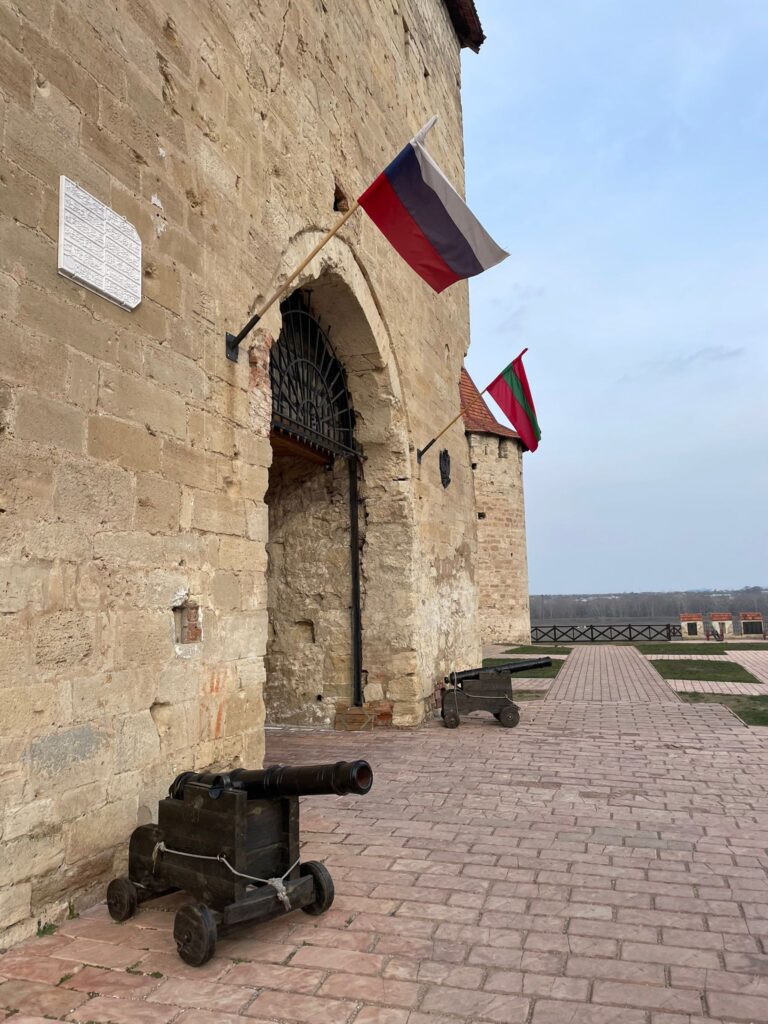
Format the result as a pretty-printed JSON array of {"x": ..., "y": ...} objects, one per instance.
[
  {"x": 308, "y": 656},
  {"x": 336, "y": 406}
]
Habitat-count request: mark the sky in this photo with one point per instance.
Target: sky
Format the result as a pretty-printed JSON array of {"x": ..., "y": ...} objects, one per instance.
[{"x": 619, "y": 151}]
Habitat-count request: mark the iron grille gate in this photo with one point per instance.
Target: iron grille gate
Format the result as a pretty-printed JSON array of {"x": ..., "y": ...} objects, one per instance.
[
  {"x": 591, "y": 633},
  {"x": 311, "y": 404},
  {"x": 310, "y": 401}
]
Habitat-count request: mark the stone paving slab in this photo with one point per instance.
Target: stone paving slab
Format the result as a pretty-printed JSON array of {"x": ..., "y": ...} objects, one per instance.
[{"x": 608, "y": 673}]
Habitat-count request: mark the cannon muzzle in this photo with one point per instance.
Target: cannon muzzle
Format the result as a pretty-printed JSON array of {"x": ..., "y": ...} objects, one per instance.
[{"x": 279, "y": 780}]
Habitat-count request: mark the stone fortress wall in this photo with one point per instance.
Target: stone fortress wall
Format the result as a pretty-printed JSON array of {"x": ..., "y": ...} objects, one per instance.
[
  {"x": 135, "y": 459},
  {"x": 496, "y": 456},
  {"x": 502, "y": 561}
]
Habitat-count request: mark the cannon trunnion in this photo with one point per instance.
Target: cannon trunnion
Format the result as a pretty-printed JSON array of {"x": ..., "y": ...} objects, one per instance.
[{"x": 231, "y": 840}]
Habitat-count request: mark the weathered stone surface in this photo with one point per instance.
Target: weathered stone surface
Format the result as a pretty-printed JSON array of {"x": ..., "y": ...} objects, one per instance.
[
  {"x": 49, "y": 423},
  {"x": 53, "y": 756},
  {"x": 502, "y": 560},
  {"x": 93, "y": 495},
  {"x": 130, "y": 446},
  {"x": 309, "y": 660},
  {"x": 15, "y": 903},
  {"x": 158, "y": 504},
  {"x": 99, "y": 828},
  {"x": 130, "y": 398},
  {"x": 63, "y": 638}
]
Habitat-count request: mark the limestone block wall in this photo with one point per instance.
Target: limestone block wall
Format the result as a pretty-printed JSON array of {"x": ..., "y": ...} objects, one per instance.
[
  {"x": 502, "y": 562},
  {"x": 309, "y": 659},
  {"x": 134, "y": 458},
  {"x": 449, "y": 566}
]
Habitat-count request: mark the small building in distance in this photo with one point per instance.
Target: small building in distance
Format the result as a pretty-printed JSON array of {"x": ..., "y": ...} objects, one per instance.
[
  {"x": 722, "y": 623},
  {"x": 751, "y": 623},
  {"x": 692, "y": 625},
  {"x": 496, "y": 456}
]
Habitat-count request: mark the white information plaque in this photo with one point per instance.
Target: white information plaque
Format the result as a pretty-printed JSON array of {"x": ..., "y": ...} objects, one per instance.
[{"x": 97, "y": 247}]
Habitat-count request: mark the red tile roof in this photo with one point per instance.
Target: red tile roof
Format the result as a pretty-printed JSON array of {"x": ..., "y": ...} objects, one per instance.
[
  {"x": 478, "y": 418},
  {"x": 466, "y": 23}
]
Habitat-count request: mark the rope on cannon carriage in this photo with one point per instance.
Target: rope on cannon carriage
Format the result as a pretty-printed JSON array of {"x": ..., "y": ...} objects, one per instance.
[
  {"x": 278, "y": 884},
  {"x": 469, "y": 696}
]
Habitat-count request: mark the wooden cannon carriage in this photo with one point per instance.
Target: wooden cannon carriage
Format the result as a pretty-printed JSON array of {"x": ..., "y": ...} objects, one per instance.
[
  {"x": 485, "y": 689},
  {"x": 231, "y": 840}
]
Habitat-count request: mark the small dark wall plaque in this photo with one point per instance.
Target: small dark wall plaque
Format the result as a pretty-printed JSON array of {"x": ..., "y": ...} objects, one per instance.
[{"x": 445, "y": 467}]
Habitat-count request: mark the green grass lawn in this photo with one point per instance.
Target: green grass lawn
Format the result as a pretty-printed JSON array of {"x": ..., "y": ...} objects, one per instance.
[
  {"x": 712, "y": 671},
  {"x": 682, "y": 647},
  {"x": 751, "y": 710},
  {"x": 535, "y": 673},
  {"x": 538, "y": 649}
]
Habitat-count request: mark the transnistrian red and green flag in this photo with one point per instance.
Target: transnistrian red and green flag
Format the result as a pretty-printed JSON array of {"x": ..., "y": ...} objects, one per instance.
[{"x": 510, "y": 390}]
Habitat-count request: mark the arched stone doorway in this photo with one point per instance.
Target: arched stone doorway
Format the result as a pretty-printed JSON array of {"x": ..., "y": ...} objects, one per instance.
[
  {"x": 313, "y": 579},
  {"x": 310, "y": 649}
]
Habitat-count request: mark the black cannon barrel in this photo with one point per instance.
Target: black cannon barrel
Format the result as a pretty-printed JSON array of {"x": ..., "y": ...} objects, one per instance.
[
  {"x": 508, "y": 666},
  {"x": 280, "y": 780}
]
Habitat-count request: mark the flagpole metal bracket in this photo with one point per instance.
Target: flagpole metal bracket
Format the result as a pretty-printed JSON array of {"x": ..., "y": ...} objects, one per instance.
[
  {"x": 232, "y": 341},
  {"x": 421, "y": 452}
]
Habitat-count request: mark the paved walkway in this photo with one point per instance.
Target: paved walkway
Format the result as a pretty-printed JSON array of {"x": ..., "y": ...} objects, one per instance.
[
  {"x": 603, "y": 863},
  {"x": 687, "y": 657},
  {"x": 717, "y": 686},
  {"x": 678, "y": 685},
  {"x": 755, "y": 662},
  {"x": 508, "y": 652},
  {"x": 607, "y": 674}
]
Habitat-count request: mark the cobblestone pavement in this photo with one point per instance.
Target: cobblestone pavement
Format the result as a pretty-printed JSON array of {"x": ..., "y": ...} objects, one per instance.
[
  {"x": 607, "y": 673},
  {"x": 600, "y": 864}
]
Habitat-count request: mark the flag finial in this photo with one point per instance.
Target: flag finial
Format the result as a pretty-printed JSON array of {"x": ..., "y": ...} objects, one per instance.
[{"x": 421, "y": 134}]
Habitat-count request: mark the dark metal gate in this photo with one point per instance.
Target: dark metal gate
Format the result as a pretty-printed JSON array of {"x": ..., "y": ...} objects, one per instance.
[
  {"x": 310, "y": 401},
  {"x": 311, "y": 408}
]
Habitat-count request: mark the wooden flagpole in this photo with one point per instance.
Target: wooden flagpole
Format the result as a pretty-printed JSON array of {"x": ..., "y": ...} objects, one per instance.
[
  {"x": 233, "y": 340},
  {"x": 420, "y": 452}
]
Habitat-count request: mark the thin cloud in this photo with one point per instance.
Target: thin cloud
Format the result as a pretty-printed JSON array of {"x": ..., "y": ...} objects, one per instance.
[{"x": 684, "y": 362}]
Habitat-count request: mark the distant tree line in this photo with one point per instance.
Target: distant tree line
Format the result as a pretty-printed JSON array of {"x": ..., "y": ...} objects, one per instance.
[{"x": 632, "y": 607}]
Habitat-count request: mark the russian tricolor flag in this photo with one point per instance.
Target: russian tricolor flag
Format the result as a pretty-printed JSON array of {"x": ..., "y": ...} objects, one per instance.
[{"x": 415, "y": 206}]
